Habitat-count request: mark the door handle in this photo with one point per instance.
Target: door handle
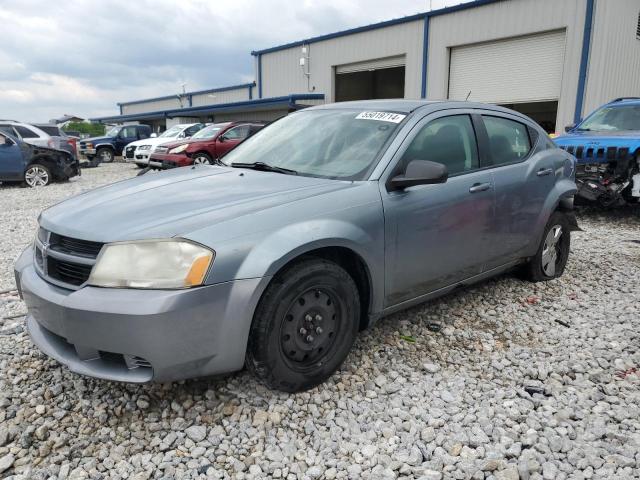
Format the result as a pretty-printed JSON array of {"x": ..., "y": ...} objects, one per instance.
[
  {"x": 544, "y": 172},
  {"x": 479, "y": 187}
]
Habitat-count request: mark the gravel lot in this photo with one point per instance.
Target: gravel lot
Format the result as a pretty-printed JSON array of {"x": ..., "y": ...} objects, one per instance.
[{"x": 523, "y": 381}]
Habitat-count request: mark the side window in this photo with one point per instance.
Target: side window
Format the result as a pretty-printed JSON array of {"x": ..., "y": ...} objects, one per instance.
[
  {"x": 7, "y": 129},
  {"x": 193, "y": 129},
  {"x": 237, "y": 133},
  {"x": 447, "y": 140},
  {"x": 142, "y": 133},
  {"x": 129, "y": 132},
  {"x": 26, "y": 132},
  {"x": 508, "y": 140}
]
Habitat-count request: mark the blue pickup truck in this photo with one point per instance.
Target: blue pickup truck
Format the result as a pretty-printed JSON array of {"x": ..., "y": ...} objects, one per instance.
[
  {"x": 607, "y": 147},
  {"x": 105, "y": 149}
]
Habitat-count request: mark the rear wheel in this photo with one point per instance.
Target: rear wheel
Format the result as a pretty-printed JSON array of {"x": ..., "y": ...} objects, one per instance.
[
  {"x": 37, "y": 175},
  {"x": 304, "y": 326},
  {"x": 552, "y": 255},
  {"x": 105, "y": 155},
  {"x": 202, "y": 158}
]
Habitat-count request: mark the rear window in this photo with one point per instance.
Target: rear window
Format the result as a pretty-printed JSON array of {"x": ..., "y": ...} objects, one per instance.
[{"x": 52, "y": 130}]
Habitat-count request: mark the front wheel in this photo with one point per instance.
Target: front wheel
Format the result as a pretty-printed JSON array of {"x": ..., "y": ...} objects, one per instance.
[
  {"x": 202, "y": 159},
  {"x": 105, "y": 155},
  {"x": 37, "y": 175},
  {"x": 304, "y": 326},
  {"x": 551, "y": 258}
]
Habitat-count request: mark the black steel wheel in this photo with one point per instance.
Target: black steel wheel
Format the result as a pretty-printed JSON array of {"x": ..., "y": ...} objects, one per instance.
[{"x": 304, "y": 326}]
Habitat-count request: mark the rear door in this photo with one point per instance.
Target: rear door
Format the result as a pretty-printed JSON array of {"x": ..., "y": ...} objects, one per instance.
[
  {"x": 229, "y": 139},
  {"x": 523, "y": 181},
  {"x": 11, "y": 163},
  {"x": 437, "y": 235}
]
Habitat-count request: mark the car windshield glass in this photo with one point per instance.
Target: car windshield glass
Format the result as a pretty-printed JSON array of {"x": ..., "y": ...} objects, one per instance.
[
  {"x": 613, "y": 119},
  {"x": 172, "y": 132},
  {"x": 113, "y": 132},
  {"x": 208, "y": 132},
  {"x": 341, "y": 144}
]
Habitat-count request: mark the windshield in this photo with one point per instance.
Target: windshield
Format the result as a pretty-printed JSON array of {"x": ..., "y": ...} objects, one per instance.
[
  {"x": 113, "y": 132},
  {"x": 341, "y": 144},
  {"x": 172, "y": 132},
  {"x": 208, "y": 132},
  {"x": 613, "y": 119}
]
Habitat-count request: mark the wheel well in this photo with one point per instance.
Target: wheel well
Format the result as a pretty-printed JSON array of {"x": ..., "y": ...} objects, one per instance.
[
  {"x": 355, "y": 267},
  {"x": 46, "y": 161},
  {"x": 202, "y": 152}
]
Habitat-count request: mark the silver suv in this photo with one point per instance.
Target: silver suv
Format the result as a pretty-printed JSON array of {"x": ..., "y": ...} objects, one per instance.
[
  {"x": 27, "y": 133},
  {"x": 313, "y": 229}
]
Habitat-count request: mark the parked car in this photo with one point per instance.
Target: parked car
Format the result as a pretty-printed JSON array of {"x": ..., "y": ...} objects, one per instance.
[
  {"x": 139, "y": 151},
  {"x": 314, "y": 228},
  {"x": 27, "y": 133},
  {"x": 34, "y": 165},
  {"x": 205, "y": 147},
  {"x": 61, "y": 140},
  {"x": 106, "y": 148},
  {"x": 607, "y": 147}
]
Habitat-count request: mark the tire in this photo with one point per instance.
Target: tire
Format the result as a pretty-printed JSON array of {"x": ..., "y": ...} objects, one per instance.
[
  {"x": 37, "y": 175},
  {"x": 201, "y": 158},
  {"x": 551, "y": 258},
  {"x": 105, "y": 154},
  {"x": 304, "y": 326}
]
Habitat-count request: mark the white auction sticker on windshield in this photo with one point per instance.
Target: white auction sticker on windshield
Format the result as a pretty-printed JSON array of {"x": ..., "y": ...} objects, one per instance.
[{"x": 381, "y": 116}]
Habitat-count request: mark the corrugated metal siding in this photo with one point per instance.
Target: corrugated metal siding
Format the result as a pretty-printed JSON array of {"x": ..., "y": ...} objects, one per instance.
[
  {"x": 227, "y": 96},
  {"x": 153, "y": 106},
  {"x": 614, "y": 63},
  {"x": 501, "y": 72},
  {"x": 507, "y": 19},
  {"x": 266, "y": 115},
  {"x": 282, "y": 73}
]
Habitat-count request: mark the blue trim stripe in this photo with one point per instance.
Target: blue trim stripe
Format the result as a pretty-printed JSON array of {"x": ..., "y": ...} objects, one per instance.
[
  {"x": 375, "y": 26},
  {"x": 288, "y": 101},
  {"x": 584, "y": 61},
  {"x": 425, "y": 56},
  {"x": 197, "y": 92},
  {"x": 259, "y": 76}
]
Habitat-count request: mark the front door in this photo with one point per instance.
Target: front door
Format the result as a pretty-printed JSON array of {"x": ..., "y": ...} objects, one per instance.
[
  {"x": 125, "y": 137},
  {"x": 11, "y": 164},
  {"x": 437, "y": 235}
]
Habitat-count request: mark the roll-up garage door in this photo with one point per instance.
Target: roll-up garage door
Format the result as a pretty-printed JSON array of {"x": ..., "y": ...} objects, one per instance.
[
  {"x": 525, "y": 69},
  {"x": 388, "y": 62}
]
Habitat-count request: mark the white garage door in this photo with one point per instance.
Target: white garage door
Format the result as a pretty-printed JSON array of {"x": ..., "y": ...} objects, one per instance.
[
  {"x": 526, "y": 69},
  {"x": 377, "y": 64}
]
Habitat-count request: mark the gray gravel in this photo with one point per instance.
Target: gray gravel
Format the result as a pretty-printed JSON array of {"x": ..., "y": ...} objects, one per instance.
[{"x": 501, "y": 392}]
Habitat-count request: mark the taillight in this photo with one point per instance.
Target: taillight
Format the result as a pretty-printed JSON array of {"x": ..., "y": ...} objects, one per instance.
[
  {"x": 73, "y": 143},
  {"x": 50, "y": 143}
]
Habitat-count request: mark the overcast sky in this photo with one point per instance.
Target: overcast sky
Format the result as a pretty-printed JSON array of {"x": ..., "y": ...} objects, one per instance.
[{"x": 81, "y": 57}]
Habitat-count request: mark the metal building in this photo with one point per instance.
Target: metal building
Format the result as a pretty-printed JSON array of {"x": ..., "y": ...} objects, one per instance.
[{"x": 555, "y": 60}]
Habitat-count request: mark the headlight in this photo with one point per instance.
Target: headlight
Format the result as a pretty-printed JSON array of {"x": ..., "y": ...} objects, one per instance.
[
  {"x": 152, "y": 264},
  {"x": 179, "y": 149},
  {"x": 89, "y": 145}
]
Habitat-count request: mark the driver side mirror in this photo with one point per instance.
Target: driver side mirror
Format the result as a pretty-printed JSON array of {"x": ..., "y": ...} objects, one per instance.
[
  {"x": 420, "y": 172},
  {"x": 153, "y": 135},
  {"x": 222, "y": 138},
  {"x": 570, "y": 127}
]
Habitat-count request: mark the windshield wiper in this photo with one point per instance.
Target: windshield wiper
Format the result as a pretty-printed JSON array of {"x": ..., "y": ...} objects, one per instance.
[{"x": 265, "y": 167}]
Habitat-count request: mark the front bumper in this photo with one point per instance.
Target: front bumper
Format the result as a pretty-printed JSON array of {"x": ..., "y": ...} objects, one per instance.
[
  {"x": 169, "y": 160},
  {"x": 141, "y": 157},
  {"x": 87, "y": 152},
  {"x": 140, "y": 335}
]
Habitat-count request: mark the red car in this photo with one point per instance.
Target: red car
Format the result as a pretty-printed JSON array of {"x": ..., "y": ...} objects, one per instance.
[{"x": 204, "y": 147}]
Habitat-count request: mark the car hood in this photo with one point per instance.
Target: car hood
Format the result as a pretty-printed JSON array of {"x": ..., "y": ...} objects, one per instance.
[
  {"x": 177, "y": 202},
  {"x": 152, "y": 141},
  {"x": 96, "y": 139},
  {"x": 592, "y": 137}
]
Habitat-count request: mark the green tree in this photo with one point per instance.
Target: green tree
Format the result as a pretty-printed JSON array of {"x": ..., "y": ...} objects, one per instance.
[{"x": 93, "y": 129}]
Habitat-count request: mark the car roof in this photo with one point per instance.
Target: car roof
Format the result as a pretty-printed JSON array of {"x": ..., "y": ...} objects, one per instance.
[
  {"x": 408, "y": 106},
  {"x": 623, "y": 101}
]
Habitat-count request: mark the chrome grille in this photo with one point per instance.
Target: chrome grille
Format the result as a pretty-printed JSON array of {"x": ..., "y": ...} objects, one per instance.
[
  {"x": 129, "y": 151},
  {"x": 597, "y": 153},
  {"x": 64, "y": 261}
]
